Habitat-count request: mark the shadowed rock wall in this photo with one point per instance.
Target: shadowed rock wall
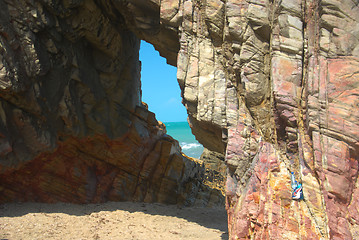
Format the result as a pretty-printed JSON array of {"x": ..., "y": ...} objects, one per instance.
[
  {"x": 272, "y": 85},
  {"x": 72, "y": 124}
]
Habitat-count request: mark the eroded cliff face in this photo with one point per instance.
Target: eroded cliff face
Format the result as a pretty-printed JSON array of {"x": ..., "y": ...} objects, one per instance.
[
  {"x": 72, "y": 124},
  {"x": 271, "y": 85}
]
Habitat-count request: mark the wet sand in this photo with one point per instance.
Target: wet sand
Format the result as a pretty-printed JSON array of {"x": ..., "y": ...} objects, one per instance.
[{"x": 113, "y": 220}]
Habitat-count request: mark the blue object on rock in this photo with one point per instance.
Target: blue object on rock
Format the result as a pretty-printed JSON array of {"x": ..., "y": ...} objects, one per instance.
[{"x": 297, "y": 193}]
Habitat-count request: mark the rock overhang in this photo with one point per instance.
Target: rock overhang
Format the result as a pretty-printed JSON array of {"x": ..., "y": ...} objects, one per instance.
[{"x": 271, "y": 85}]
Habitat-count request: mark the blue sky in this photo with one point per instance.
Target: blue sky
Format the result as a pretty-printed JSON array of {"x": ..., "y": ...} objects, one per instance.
[{"x": 160, "y": 89}]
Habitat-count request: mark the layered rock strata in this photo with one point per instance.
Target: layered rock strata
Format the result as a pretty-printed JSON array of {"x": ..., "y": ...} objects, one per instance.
[
  {"x": 72, "y": 124},
  {"x": 270, "y": 85}
]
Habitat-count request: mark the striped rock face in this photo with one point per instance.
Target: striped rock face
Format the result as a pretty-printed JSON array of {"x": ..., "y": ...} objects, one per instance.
[
  {"x": 73, "y": 127},
  {"x": 272, "y": 86}
]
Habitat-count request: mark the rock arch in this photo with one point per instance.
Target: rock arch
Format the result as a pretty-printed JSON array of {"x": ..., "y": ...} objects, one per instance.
[{"x": 270, "y": 84}]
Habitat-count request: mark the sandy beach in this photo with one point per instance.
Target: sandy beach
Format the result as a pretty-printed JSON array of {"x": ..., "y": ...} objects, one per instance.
[{"x": 113, "y": 220}]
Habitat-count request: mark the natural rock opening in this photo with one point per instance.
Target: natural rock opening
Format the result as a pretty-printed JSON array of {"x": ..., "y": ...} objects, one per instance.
[
  {"x": 73, "y": 127},
  {"x": 161, "y": 92},
  {"x": 159, "y": 86},
  {"x": 272, "y": 85}
]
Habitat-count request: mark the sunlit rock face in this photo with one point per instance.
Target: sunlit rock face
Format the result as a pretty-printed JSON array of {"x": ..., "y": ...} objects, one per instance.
[{"x": 271, "y": 85}]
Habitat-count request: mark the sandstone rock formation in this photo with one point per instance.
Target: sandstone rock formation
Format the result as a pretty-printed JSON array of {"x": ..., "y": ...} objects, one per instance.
[
  {"x": 271, "y": 85},
  {"x": 72, "y": 124}
]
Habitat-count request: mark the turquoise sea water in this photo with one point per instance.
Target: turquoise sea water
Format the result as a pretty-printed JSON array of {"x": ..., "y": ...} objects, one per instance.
[{"x": 182, "y": 133}]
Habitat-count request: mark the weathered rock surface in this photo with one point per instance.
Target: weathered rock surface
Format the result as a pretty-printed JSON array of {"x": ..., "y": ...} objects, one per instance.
[
  {"x": 72, "y": 124},
  {"x": 271, "y": 85}
]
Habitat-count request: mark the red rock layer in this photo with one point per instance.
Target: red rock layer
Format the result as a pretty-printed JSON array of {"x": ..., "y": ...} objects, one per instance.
[
  {"x": 72, "y": 124},
  {"x": 98, "y": 169},
  {"x": 270, "y": 85}
]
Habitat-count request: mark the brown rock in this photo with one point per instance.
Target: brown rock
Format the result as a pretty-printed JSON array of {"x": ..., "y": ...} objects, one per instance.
[
  {"x": 73, "y": 127},
  {"x": 270, "y": 85}
]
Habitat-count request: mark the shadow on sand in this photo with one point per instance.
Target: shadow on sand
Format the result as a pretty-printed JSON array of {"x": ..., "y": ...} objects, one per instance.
[{"x": 214, "y": 218}]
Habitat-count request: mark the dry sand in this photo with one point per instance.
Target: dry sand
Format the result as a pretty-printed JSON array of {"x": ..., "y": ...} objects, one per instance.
[{"x": 113, "y": 220}]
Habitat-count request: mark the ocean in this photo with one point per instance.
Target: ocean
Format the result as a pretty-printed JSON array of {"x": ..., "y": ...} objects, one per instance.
[{"x": 183, "y": 134}]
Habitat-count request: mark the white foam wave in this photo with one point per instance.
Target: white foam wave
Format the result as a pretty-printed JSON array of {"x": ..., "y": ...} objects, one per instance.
[{"x": 186, "y": 146}]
